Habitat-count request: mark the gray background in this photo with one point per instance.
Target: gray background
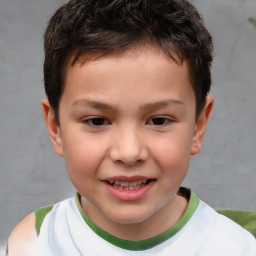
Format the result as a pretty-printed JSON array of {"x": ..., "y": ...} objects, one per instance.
[{"x": 32, "y": 176}]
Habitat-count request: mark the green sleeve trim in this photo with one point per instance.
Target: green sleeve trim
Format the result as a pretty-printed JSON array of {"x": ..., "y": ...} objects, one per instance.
[
  {"x": 246, "y": 219},
  {"x": 40, "y": 215},
  {"x": 151, "y": 242},
  {"x": 6, "y": 250}
]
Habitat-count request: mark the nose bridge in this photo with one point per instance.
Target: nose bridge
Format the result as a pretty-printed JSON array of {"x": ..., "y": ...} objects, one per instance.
[{"x": 128, "y": 145}]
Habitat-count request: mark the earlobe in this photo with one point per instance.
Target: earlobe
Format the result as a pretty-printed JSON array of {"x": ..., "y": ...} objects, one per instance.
[
  {"x": 52, "y": 127},
  {"x": 200, "y": 126}
]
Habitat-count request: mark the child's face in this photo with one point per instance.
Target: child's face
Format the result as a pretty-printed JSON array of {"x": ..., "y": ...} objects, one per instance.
[{"x": 127, "y": 130}]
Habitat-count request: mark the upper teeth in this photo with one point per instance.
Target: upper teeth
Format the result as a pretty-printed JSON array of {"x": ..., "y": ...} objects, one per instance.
[{"x": 126, "y": 183}]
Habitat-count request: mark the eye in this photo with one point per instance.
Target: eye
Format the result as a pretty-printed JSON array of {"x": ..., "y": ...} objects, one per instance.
[
  {"x": 159, "y": 121},
  {"x": 96, "y": 121}
]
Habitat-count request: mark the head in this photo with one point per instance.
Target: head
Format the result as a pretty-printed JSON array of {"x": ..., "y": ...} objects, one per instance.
[
  {"x": 126, "y": 83},
  {"x": 93, "y": 29}
]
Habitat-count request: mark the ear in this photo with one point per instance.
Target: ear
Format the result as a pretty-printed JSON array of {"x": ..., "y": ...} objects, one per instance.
[
  {"x": 52, "y": 127},
  {"x": 200, "y": 126}
]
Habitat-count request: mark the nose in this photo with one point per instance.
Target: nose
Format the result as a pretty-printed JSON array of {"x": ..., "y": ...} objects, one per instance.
[{"x": 128, "y": 147}]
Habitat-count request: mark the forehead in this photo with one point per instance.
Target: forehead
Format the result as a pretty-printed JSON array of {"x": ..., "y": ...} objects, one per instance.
[
  {"x": 135, "y": 53},
  {"x": 143, "y": 70}
]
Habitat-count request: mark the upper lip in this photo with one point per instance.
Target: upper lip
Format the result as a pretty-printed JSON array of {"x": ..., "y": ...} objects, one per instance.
[{"x": 129, "y": 179}]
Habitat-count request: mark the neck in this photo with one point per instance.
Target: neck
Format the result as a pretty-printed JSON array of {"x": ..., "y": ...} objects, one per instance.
[{"x": 154, "y": 225}]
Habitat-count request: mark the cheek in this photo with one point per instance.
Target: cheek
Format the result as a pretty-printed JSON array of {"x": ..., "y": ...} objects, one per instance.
[
  {"x": 173, "y": 155},
  {"x": 173, "y": 148},
  {"x": 82, "y": 168},
  {"x": 83, "y": 157}
]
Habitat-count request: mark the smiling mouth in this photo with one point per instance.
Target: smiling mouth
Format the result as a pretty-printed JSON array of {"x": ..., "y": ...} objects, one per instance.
[{"x": 126, "y": 185}]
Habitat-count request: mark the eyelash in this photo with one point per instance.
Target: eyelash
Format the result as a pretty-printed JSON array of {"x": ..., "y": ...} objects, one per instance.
[{"x": 101, "y": 121}]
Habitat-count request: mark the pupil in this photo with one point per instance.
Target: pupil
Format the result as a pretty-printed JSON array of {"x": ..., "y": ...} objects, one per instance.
[
  {"x": 158, "y": 121},
  {"x": 98, "y": 121}
]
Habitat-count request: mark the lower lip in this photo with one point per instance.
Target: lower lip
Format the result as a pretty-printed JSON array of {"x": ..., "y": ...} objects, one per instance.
[{"x": 129, "y": 195}]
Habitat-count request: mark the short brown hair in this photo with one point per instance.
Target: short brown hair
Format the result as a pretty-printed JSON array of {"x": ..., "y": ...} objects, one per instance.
[{"x": 104, "y": 27}]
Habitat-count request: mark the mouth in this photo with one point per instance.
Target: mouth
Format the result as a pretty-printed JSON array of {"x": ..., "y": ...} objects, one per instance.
[
  {"x": 129, "y": 188},
  {"x": 128, "y": 185}
]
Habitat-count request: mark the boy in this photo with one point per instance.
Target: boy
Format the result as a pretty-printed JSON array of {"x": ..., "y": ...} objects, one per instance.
[{"x": 127, "y": 103}]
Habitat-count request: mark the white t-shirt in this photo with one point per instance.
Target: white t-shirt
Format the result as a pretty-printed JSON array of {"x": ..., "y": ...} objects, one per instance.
[{"x": 64, "y": 229}]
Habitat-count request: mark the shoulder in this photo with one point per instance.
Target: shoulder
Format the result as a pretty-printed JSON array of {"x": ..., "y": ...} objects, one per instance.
[
  {"x": 232, "y": 237},
  {"x": 22, "y": 240},
  {"x": 227, "y": 227},
  {"x": 246, "y": 219},
  {"x": 228, "y": 235}
]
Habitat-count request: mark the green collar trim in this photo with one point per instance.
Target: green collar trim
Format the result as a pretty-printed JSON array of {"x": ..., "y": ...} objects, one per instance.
[{"x": 150, "y": 242}]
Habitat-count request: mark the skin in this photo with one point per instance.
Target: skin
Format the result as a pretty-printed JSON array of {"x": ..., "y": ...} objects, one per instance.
[
  {"x": 22, "y": 240},
  {"x": 146, "y": 129}
]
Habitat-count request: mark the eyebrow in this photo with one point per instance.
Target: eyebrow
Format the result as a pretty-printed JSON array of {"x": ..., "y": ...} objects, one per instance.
[
  {"x": 147, "y": 107},
  {"x": 161, "y": 104},
  {"x": 91, "y": 103}
]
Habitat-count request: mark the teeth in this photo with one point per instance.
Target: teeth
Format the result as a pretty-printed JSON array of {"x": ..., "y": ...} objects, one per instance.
[
  {"x": 125, "y": 185},
  {"x": 133, "y": 183}
]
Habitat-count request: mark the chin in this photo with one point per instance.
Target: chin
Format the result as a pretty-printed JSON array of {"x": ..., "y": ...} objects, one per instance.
[{"x": 129, "y": 217}]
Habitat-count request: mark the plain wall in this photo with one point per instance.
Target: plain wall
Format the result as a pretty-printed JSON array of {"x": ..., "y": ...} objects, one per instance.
[{"x": 31, "y": 175}]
